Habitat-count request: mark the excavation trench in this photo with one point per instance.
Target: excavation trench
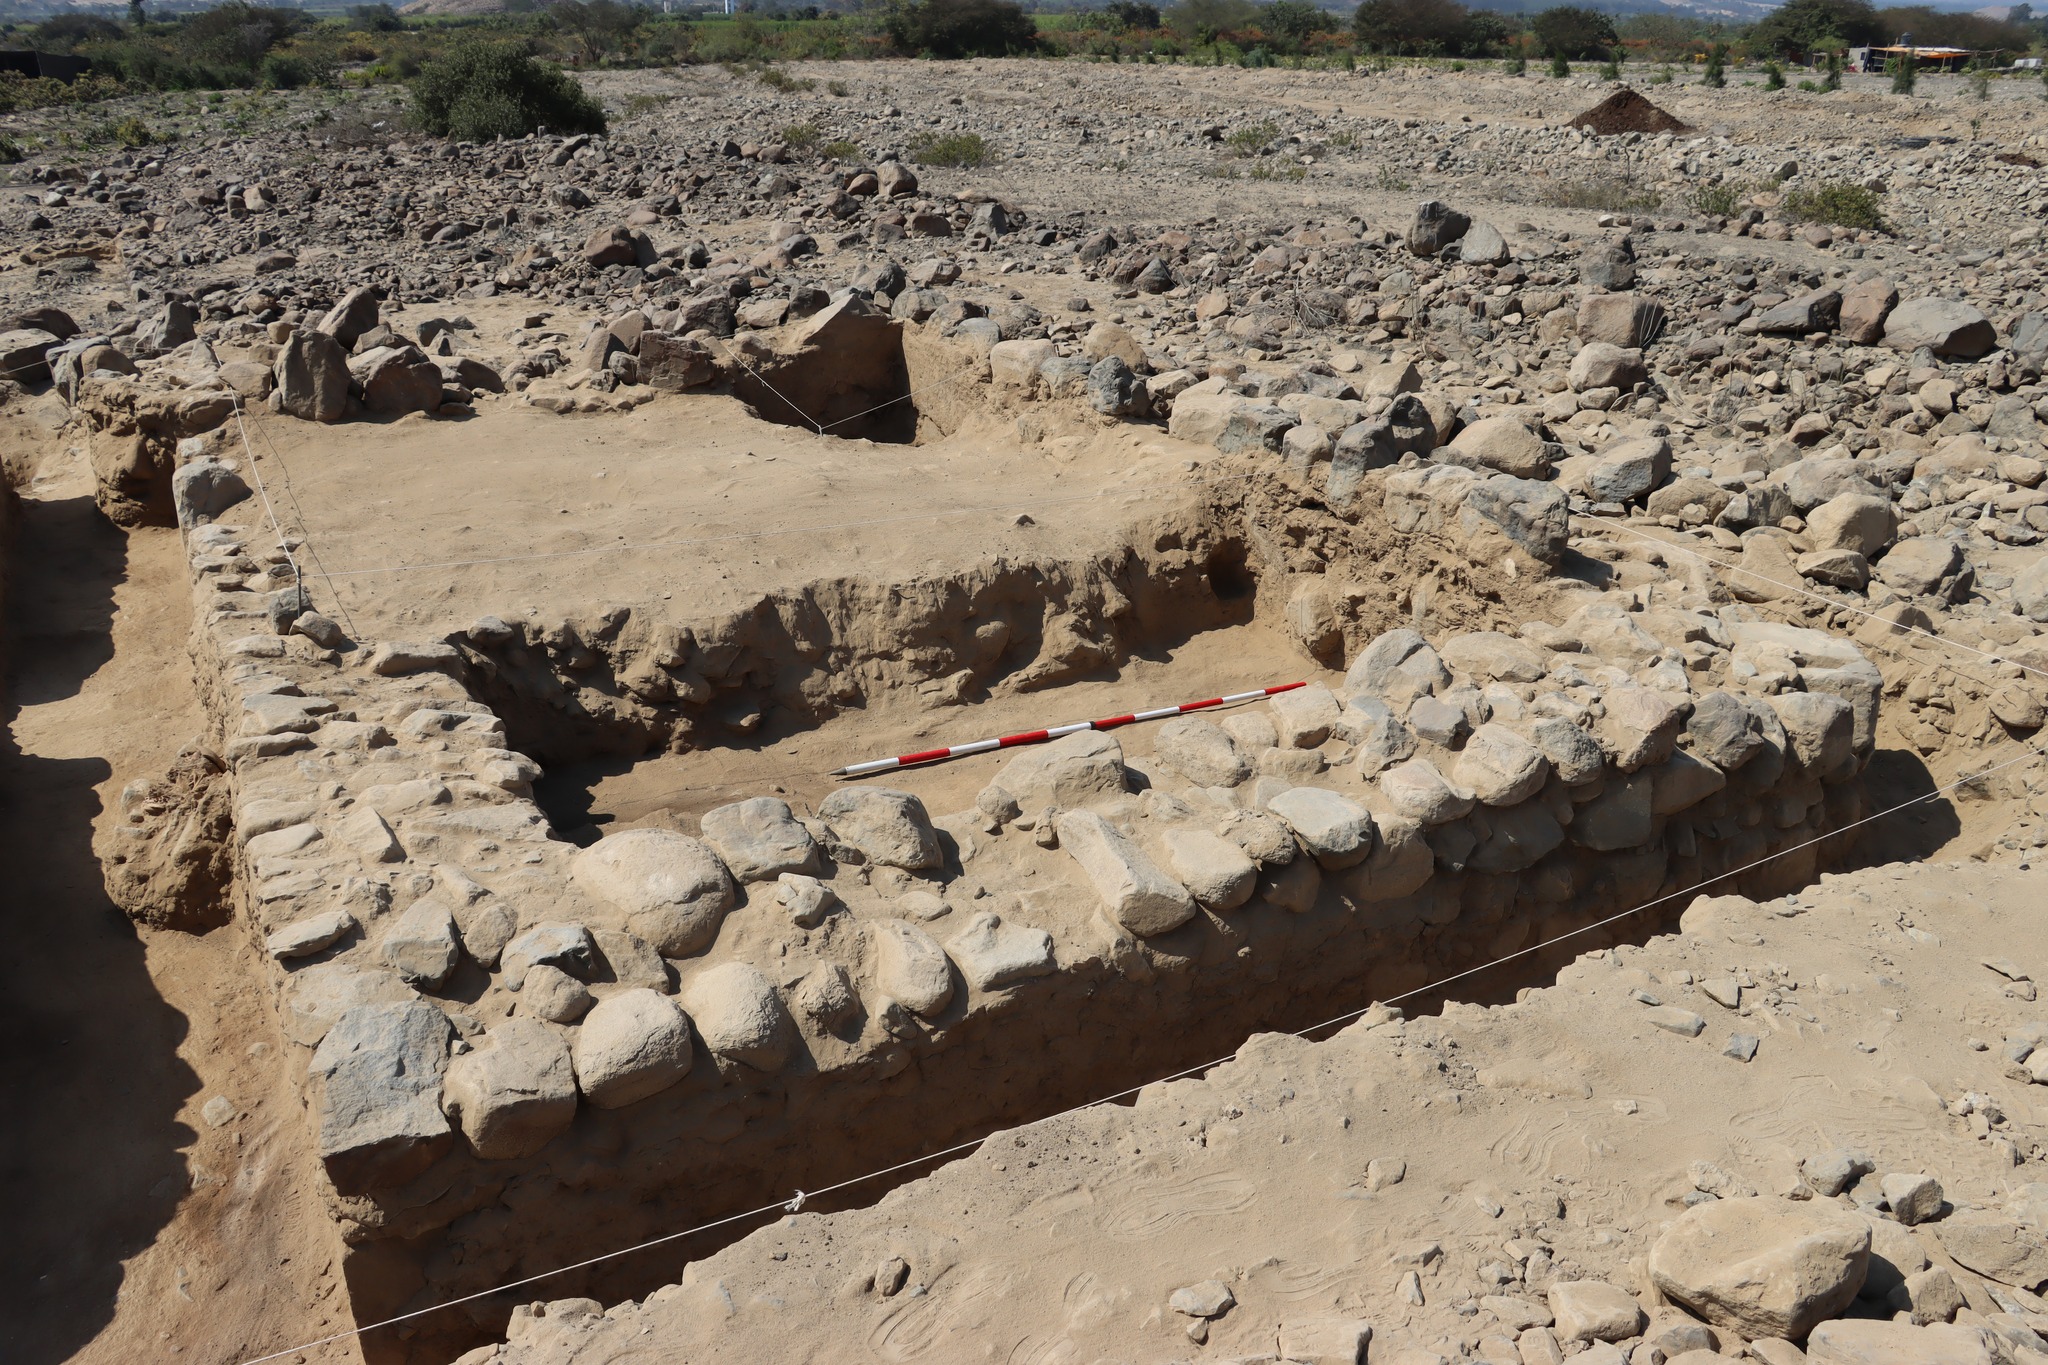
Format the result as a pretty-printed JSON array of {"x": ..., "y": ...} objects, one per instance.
[{"x": 650, "y": 724}]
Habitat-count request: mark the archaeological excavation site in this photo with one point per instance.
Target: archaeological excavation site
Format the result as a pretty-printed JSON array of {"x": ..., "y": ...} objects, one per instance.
[{"x": 546, "y": 799}]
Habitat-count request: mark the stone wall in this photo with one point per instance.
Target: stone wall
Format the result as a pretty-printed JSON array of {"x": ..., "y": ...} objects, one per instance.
[{"x": 518, "y": 1052}]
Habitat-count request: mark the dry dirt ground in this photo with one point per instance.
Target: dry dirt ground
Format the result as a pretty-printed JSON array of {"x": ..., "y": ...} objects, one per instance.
[
  {"x": 160, "y": 1182},
  {"x": 140, "y": 1228}
]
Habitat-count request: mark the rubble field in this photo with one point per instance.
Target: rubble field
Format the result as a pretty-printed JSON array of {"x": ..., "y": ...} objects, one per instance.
[{"x": 524, "y": 534}]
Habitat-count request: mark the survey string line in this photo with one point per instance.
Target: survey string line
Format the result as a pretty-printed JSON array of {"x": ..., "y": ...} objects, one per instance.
[{"x": 802, "y": 1196}]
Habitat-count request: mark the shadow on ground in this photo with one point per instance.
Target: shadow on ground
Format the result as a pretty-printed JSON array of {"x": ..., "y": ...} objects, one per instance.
[{"x": 90, "y": 1079}]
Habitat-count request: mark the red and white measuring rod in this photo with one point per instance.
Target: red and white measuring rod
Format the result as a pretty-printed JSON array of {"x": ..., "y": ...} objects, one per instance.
[{"x": 982, "y": 746}]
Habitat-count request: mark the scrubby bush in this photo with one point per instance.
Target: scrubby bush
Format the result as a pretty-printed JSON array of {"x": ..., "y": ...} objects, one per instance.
[
  {"x": 961, "y": 28},
  {"x": 1838, "y": 203},
  {"x": 483, "y": 90},
  {"x": 1903, "y": 73},
  {"x": 1774, "y": 76},
  {"x": 1573, "y": 33},
  {"x": 952, "y": 149},
  {"x": 1715, "y": 75}
]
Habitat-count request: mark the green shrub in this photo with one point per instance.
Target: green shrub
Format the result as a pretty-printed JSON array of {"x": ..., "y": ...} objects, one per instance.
[
  {"x": 10, "y": 150},
  {"x": 133, "y": 132},
  {"x": 838, "y": 88},
  {"x": 1715, "y": 75},
  {"x": 1718, "y": 201},
  {"x": 1838, "y": 203},
  {"x": 775, "y": 78},
  {"x": 961, "y": 28},
  {"x": 1559, "y": 67},
  {"x": 842, "y": 150},
  {"x": 1516, "y": 66},
  {"x": 1252, "y": 139},
  {"x": 951, "y": 149},
  {"x": 1774, "y": 76},
  {"x": 482, "y": 90},
  {"x": 1604, "y": 194},
  {"x": 1903, "y": 73},
  {"x": 801, "y": 137}
]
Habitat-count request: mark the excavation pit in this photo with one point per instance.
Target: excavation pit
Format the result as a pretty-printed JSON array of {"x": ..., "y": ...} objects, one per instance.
[{"x": 913, "y": 960}]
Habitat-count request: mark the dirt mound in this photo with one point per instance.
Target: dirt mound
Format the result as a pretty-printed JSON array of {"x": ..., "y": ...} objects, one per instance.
[{"x": 1625, "y": 111}]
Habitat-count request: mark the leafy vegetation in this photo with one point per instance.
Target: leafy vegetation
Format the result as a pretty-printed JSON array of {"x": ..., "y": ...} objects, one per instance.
[
  {"x": 949, "y": 149},
  {"x": 961, "y": 28},
  {"x": 482, "y": 90},
  {"x": 1838, "y": 203}
]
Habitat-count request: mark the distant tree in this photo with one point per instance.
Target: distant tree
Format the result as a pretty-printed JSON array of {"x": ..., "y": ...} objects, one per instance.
[
  {"x": 1937, "y": 28},
  {"x": 1203, "y": 20},
  {"x": 137, "y": 14},
  {"x": 66, "y": 32},
  {"x": 1294, "y": 20},
  {"x": 961, "y": 28},
  {"x": 482, "y": 90},
  {"x": 1800, "y": 27},
  {"x": 1714, "y": 77},
  {"x": 1415, "y": 27},
  {"x": 1902, "y": 72},
  {"x": 376, "y": 18},
  {"x": 1573, "y": 33},
  {"x": 1125, "y": 15}
]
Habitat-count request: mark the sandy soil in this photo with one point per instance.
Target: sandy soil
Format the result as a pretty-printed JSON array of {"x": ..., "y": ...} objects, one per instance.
[
  {"x": 1564, "y": 1121},
  {"x": 140, "y": 1228}
]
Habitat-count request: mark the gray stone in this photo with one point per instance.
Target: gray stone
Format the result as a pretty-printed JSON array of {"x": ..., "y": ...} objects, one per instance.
[
  {"x": 1629, "y": 470},
  {"x": 312, "y": 377},
  {"x": 395, "y": 380},
  {"x": 1820, "y": 728},
  {"x": 316, "y": 996},
  {"x": 1620, "y": 319},
  {"x": 1500, "y": 767},
  {"x": 1603, "y": 365},
  {"x": 379, "y": 1106},
  {"x": 1209, "y": 1299},
  {"x": 1071, "y": 771},
  {"x": 1852, "y": 521},
  {"x": 1573, "y": 753},
  {"x": 1593, "y": 1310},
  {"x": 513, "y": 1092},
  {"x": 1817, "y": 310},
  {"x": 1858, "y": 1341},
  {"x": 203, "y": 489},
  {"x": 760, "y": 839},
  {"x": 910, "y": 967},
  {"x": 632, "y": 1045},
  {"x": 739, "y": 1015},
  {"x": 422, "y": 947},
  {"x": 1762, "y": 1267},
  {"x": 1507, "y": 445},
  {"x": 669, "y": 889},
  {"x": 1723, "y": 731},
  {"x": 547, "y": 992},
  {"x": 1417, "y": 790},
  {"x": 1944, "y": 326},
  {"x": 1608, "y": 267},
  {"x": 1833, "y": 1171},
  {"x": 888, "y": 827},
  {"x": 1997, "y": 1247},
  {"x": 994, "y": 953},
  {"x": 1436, "y": 226},
  {"x": 353, "y": 316},
  {"x": 1304, "y": 718},
  {"x": 1532, "y": 517},
  {"x": 1201, "y": 751},
  {"x": 1115, "y": 390},
  {"x": 1336, "y": 831},
  {"x": 567, "y": 947},
  {"x": 1378, "y": 736},
  {"x": 2030, "y": 590},
  {"x": 1912, "y": 1198},
  {"x": 1482, "y": 244},
  {"x": 1136, "y": 893},
  {"x": 1620, "y": 817},
  {"x": 1397, "y": 667},
  {"x": 1438, "y": 720},
  {"x": 1219, "y": 874},
  {"x": 303, "y": 938}
]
